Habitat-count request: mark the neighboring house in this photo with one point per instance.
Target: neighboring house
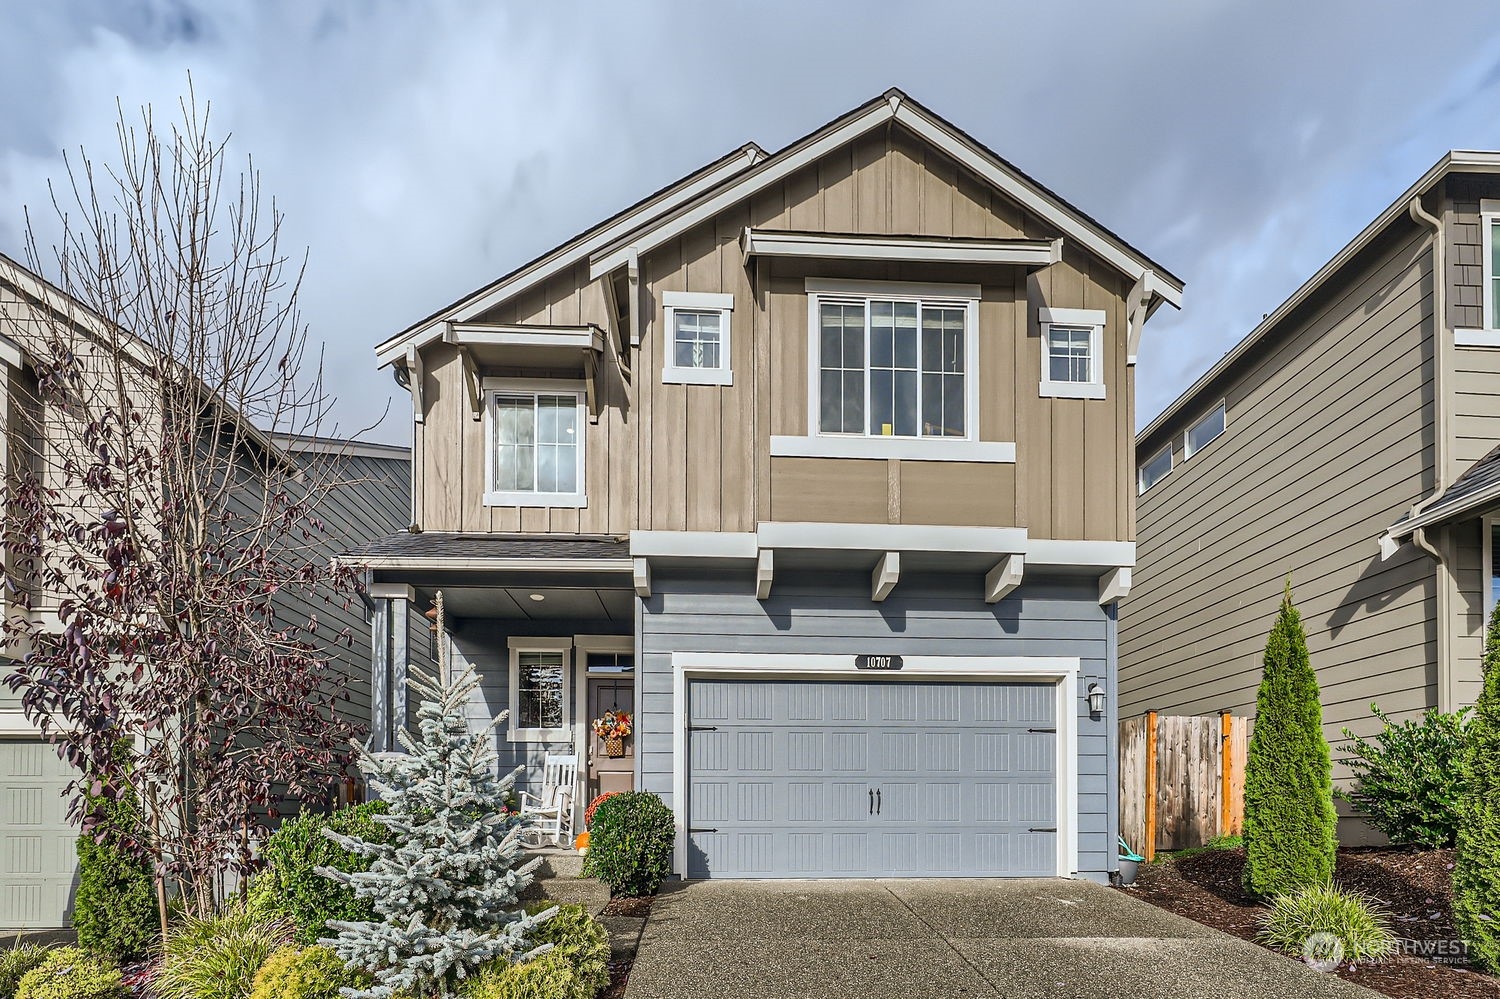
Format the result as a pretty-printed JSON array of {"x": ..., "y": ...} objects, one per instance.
[
  {"x": 1347, "y": 444},
  {"x": 821, "y": 462},
  {"x": 38, "y": 866}
]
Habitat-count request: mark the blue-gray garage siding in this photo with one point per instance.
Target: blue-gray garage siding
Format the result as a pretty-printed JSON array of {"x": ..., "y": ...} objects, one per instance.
[{"x": 925, "y": 615}]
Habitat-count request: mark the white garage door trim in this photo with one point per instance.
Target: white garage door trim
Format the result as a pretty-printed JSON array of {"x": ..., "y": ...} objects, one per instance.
[{"x": 1061, "y": 670}]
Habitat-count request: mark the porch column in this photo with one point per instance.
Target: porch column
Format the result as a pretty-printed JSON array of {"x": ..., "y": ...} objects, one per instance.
[
  {"x": 380, "y": 675},
  {"x": 390, "y": 630},
  {"x": 400, "y": 656}
]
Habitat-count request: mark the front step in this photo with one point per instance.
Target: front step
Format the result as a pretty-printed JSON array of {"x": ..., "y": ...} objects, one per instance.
[{"x": 557, "y": 863}]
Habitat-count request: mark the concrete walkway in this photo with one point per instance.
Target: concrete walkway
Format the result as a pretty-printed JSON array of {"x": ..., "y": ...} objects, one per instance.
[{"x": 910, "y": 939}]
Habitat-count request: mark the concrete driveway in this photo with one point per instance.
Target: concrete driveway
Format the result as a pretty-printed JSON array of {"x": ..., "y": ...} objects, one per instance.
[{"x": 873, "y": 939}]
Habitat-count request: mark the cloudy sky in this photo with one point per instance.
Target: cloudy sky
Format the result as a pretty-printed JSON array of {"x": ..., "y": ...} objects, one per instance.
[{"x": 420, "y": 148}]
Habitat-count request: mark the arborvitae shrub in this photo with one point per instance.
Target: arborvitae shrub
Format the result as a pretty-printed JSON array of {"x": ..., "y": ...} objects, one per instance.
[
  {"x": 1476, "y": 868},
  {"x": 115, "y": 910},
  {"x": 1291, "y": 829}
]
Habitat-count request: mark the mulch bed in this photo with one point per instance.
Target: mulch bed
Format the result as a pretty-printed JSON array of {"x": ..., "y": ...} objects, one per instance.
[
  {"x": 1412, "y": 884},
  {"x": 619, "y": 971}
]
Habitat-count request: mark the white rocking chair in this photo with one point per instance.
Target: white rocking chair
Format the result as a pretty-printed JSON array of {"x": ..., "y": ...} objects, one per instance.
[{"x": 549, "y": 815}]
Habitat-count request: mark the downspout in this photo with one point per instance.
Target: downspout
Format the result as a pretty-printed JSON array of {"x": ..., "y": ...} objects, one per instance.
[{"x": 1441, "y": 350}]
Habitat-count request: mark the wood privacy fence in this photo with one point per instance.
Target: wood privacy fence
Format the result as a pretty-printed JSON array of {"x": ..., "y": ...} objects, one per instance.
[{"x": 1182, "y": 779}]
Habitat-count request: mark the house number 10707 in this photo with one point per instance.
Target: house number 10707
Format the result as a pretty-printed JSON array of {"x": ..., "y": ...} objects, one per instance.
[{"x": 877, "y": 662}]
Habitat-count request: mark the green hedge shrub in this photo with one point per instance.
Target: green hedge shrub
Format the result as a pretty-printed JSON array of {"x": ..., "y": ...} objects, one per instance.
[
  {"x": 303, "y": 973},
  {"x": 293, "y": 888},
  {"x": 218, "y": 957},
  {"x": 1362, "y": 928},
  {"x": 115, "y": 910},
  {"x": 72, "y": 973},
  {"x": 630, "y": 843},
  {"x": 1290, "y": 824},
  {"x": 1476, "y": 862},
  {"x": 549, "y": 976},
  {"x": 1407, "y": 777},
  {"x": 15, "y": 962},
  {"x": 576, "y": 967}
]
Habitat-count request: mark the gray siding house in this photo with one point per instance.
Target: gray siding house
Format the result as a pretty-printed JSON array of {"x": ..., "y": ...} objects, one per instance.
[
  {"x": 38, "y": 862},
  {"x": 1347, "y": 442},
  {"x": 821, "y": 463}
]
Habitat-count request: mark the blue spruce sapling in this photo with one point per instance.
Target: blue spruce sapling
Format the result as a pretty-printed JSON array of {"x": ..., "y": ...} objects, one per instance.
[{"x": 445, "y": 888}]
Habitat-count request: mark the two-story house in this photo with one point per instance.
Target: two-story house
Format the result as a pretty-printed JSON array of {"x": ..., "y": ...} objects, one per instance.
[
  {"x": 1347, "y": 442},
  {"x": 38, "y": 862},
  {"x": 820, "y": 461}
]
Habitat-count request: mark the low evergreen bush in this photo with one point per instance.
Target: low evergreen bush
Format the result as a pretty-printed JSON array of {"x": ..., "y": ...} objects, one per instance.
[
  {"x": 1291, "y": 828},
  {"x": 630, "y": 843},
  {"x": 1408, "y": 777},
  {"x": 218, "y": 957},
  {"x": 115, "y": 910},
  {"x": 581, "y": 940},
  {"x": 548, "y": 976},
  {"x": 1476, "y": 867},
  {"x": 15, "y": 962},
  {"x": 72, "y": 973},
  {"x": 290, "y": 884},
  {"x": 1361, "y": 927},
  {"x": 303, "y": 973}
]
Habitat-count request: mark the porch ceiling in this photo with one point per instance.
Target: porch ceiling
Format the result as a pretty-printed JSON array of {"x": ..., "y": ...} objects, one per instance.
[{"x": 516, "y": 602}]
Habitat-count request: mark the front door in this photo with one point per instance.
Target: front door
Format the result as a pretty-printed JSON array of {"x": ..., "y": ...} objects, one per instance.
[{"x": 605, "y": 772}]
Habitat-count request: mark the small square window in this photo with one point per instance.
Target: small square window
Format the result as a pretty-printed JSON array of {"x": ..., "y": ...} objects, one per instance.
[
  {"x": 1153, "y": 471},
  {"x": 1072, "y": 353},
  {"x": 698, "y": 327},
  {"x": 540, "y": 705},
  {"x": 1200, "y": 434}
]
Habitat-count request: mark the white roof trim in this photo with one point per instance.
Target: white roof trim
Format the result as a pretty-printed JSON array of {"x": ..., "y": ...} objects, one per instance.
[
  {"x": 693, "y": 544},
  {"x": 505, "y": 335},
  {"x": 297, "y": 444},
  {"x": 891, "y": 537},
  {"x": 1455, "y": 161},
  {"x": 11, "y": 354},
  {"x": 962, "y": 149},
  {"x": 831, "y": 246},
  {"x": 564, "y": 257},
  {"x": 423, "y": 562}
]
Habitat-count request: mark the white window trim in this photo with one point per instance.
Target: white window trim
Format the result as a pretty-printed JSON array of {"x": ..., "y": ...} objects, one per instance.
[
  {"x": 1187, "y": 448},
  {"x": 697, "y": 301},
  {"x": 543, "y": 386},
  {"x": 567, "y": 732},
  {"x": 965, "y": 295},
  {"x": 1093, "y": 320},
  {"x": 1487, "y": 545},
  {"x": 1489, "y": 213},
  {"x": 1140, "y": 473}
]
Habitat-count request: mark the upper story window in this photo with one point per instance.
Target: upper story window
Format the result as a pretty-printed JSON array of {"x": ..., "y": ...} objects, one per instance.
[
  {"x": 1073, "y": 353},
  {"x": 698, "y": 328},
  {"x": 534, "y": 435},
  {"x": 1153, "y": 471},
  {"x": 893, "y": 360},
  {"x": 1204, "y": 431}
]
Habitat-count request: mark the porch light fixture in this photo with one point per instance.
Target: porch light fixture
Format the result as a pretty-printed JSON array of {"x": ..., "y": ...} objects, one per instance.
[
  {"x": 538, "y": 597},
  {"x": 1096, "y": 699}
]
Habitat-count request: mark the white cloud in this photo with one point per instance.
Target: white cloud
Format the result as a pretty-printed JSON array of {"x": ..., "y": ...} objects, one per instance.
[{"x": 422, "y": 148}]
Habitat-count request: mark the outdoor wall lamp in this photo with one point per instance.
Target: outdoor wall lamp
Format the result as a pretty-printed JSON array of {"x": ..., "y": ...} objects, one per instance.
[{"x": 1096, "y": 699}]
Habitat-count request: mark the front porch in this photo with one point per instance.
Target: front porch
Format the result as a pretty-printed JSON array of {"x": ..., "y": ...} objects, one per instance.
[{"x": 548, "y": 623}]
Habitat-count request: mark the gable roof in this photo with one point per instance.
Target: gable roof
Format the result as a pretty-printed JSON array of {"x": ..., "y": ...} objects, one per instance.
[
  {"x": 1454, "y": 161},
  {"x": 963, "y": 148},
  {"x": 740, "y": 175},
  {"x": 570, "y": 253}
]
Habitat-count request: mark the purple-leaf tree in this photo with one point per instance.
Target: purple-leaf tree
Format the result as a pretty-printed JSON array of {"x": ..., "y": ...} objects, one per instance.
[{"x": 156, "y": 526}]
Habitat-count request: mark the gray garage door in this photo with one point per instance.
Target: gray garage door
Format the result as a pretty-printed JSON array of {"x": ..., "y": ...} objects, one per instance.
[
  {"x": 38, "y": 861},
  {"x": 807, "y": 779}
]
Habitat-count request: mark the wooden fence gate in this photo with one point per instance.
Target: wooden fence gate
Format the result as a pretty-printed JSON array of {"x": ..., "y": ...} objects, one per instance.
[{"x": 1182, "y": 779}]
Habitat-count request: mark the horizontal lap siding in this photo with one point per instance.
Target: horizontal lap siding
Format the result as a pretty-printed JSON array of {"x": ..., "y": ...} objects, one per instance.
[
  {"x": 485, "y": 646},
  {"x": 1469, "y": 609},
  {"x": 833, "y": 613},
  {"x": 1327, "y": 444}
]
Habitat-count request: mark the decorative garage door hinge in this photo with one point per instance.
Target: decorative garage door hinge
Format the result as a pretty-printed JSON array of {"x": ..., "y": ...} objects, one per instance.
[
  {"x": 698, "y": 829},
  {"x": 1041, "y": 730},
  {"x": 1042, "y": 829},
  {"x": 703, "y": 728}
]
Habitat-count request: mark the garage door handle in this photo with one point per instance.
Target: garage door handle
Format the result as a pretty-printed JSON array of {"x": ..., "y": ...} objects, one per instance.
[
  {"x": 872, "y": 801},
  {"x": 877, "y": 801}
]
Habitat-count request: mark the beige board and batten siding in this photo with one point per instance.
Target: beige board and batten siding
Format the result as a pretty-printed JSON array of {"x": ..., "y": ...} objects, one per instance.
[
  {"x": 1327, "y": 443},
  {"x": 669, "y": 456}
]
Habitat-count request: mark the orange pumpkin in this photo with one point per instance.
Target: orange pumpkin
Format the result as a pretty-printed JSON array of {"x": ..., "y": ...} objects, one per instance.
[{"x": 581, "y": 842}]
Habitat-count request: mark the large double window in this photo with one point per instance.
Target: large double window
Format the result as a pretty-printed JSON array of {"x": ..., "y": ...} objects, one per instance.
[
  {"x": 893, "y": 365},
  {"x": 535, "y": 444}
]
